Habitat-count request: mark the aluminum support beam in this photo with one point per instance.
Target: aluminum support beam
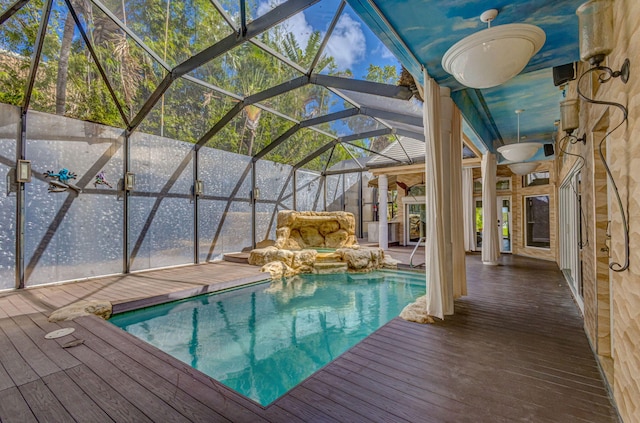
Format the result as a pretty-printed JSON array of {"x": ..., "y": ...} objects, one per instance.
[
  {"x": 37, "y": 52},
  {"x": 409, "y": 134},
  {"x": 275, "y": 143},
  {"x": 369, "y": 134},
  {"x": 295, "y": 186},
  {"x": 196, "y": 203},
  {"x": 263, "y": 23},
  {"x": 342, "y": 171},
  {"x": 130, "y": 33},
  {"x": 21, "y": 148},
  {"x": 325, "y": 40},
  {"x": 373, "y": 152},
  {"x": 343, "y": 114},
  {"x": 97, "y": 62},
  {"x": 287, "y": 86},
  {"x": 20, "y": 206},
  {"x": 360, "y": 197},
  {"x": 361, "y": 86},
  {"x": 253, "y": 204},
  {"x": 12, "y": 10},
  {"x": 316, "y": 153},
  {"x": 324, "y": 193},
  {"x": 392, "y": 116},
  {"x": 126, "y": 197},
  {"x": 219, "y": 125}
]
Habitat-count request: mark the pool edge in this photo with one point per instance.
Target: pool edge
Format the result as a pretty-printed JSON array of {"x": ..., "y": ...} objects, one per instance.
[{"x": 185, "y": 293}]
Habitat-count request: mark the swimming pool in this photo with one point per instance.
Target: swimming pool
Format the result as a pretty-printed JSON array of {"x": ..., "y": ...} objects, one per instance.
[{"x": 262, "y": 340}]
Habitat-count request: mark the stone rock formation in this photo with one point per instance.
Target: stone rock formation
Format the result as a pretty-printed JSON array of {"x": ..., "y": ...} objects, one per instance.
[
  {"x": 278, "y": 269},
  {"x": 299, "y": 232},
  {"x": 101, "y": 309},
  {"x": 417, "y": 311}
]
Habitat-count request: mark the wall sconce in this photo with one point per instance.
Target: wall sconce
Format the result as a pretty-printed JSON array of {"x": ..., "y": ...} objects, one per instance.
[
  {"x": 129, "y": 181},
  {"x": 198, "y": 188},
  {"x": 570, "y": 119},
  {"x": 23, "y": 171},
  {"x": 595, "y": 23}
]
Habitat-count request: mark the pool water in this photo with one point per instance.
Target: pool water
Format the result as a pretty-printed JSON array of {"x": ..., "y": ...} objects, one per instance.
[{"x": 262, "y": 340}]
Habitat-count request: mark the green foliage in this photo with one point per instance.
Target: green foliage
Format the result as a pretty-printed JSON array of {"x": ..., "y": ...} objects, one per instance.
[
  {"x": 386, "y": 75},
  {"x": 175, "y": 31}
]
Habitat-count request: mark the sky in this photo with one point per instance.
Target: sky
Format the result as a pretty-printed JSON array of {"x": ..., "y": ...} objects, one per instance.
[{"x": 352, "y": 44}]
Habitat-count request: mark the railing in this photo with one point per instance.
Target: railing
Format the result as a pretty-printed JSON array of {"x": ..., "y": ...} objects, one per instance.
[{"x": 414, "y": 250}]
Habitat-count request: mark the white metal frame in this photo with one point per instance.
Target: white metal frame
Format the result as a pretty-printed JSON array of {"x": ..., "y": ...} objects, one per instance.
[
  {"x": 499, "y": 200},
  {"x": 569, "y": 234},
  {"x": 406, "y": 201}
]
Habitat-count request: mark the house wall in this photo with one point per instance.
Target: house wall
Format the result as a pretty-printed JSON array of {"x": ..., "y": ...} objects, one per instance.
[
  {"x": 519, "y": 193},
  {"x": 612, "y": 299}
]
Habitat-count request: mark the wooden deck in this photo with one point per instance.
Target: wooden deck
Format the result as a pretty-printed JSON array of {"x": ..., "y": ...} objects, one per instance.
[{"x": 514, "y": 351}]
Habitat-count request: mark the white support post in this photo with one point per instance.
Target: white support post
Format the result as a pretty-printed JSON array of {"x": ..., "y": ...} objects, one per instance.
[{"x": 383, "y": 227}]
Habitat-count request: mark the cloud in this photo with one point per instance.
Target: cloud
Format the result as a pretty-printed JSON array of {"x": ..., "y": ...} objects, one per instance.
[
  {"x": 347, "y": 44},
  {"x": 383, "y": 52},
  {"x": 461, "y": 24},
  {"x": 297, "y": 24},
  {"x": 300, "y": 28},
  {"x": 266, "y": 6}
]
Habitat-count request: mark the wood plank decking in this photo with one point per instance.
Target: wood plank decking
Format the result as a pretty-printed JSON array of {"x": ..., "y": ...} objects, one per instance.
[{"x": 514, "y": 351}]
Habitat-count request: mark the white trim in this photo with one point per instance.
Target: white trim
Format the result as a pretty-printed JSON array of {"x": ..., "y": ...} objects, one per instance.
[
  {"x": 405, "y": 205},
  {"x": 500, "y": 198},
  {"x": 568, "y": 236}
]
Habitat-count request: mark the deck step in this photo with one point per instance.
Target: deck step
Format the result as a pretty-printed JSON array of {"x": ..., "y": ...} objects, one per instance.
[
  {"x": 326, "y": 268},
  {"x": 236, "y": 257}
]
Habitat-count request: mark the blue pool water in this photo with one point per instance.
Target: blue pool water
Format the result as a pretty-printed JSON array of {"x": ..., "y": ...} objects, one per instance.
[{"x": 262, "y": 340}]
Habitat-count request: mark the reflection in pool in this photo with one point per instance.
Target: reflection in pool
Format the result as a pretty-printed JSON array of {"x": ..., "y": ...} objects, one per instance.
[{"x": 264, "y": 339}]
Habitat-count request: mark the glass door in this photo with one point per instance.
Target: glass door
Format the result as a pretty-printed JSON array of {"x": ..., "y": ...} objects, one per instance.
[
  {"x": 414, "y": 222},
  {"x": 504, "y": 223},
  {"x": 478, "y": 222}
]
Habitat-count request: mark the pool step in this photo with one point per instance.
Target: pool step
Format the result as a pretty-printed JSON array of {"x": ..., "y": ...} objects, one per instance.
[
  {"x": 328, "y": 258},
  {"x": 331, "y": 267},
  {"x": 236, "y": 257}
]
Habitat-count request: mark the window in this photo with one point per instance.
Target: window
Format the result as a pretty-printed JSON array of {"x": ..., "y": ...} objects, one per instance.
[
  {"x": 537, "y": 221},
  {"x": 535, "y": 179},
  {"x": 417, "y": 191},
  {"x": 477, "y": 186},
  {"x": 502, "y": 184}
]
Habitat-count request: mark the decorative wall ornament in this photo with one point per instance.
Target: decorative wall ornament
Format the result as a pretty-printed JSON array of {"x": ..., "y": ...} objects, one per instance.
[
  {"x": 101, "y": 180},
  {"x": 60, "y": 182}
]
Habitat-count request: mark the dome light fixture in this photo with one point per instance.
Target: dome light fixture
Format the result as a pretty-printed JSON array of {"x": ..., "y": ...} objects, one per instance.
[
  {"x": 493, "y": 56},
  {"x": 519, "y": 151},
  {"x": 523, "y": 168}
]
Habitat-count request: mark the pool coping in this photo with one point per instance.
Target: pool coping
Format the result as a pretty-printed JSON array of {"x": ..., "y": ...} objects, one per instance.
[
  {"x": 186, "y": 293},
  {"x": 139, "y": 303}
]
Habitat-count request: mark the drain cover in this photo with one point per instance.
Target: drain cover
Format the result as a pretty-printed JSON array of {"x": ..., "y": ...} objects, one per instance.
[{"x": 59, "y": 333}]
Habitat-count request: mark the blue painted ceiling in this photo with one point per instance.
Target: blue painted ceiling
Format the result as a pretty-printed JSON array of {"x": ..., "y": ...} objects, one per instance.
[{"x": 419, "y": 32}]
